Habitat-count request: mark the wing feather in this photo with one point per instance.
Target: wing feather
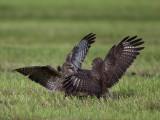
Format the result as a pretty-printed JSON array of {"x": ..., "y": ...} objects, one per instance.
[
  {"x": 119, "y": 58},
  {"x": 46, "y": 76},
  {"x": 80, "y": 51},
  {"x": 82, "y": 82}
]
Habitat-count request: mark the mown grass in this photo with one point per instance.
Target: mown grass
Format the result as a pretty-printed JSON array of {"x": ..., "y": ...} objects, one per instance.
[
  {"x": 80, "y": 10},
  {"x": 44, "y": 32}
]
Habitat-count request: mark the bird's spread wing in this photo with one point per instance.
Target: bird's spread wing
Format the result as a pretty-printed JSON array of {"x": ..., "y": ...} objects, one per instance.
[
  {"x": 79, "y": 52},
  {"x": 82, "y": 82},
  {"x": 46, "y": 76},
  {"x": 119, "y": 58}
]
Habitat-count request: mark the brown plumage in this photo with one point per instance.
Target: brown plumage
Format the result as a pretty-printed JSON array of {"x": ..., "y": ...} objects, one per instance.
[
  {"x": 51, "y": 79},
  {"x": 105, "y": 73}
]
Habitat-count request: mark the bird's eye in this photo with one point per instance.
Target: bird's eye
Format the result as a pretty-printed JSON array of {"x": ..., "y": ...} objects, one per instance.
[{"x": 71, "y": 66}]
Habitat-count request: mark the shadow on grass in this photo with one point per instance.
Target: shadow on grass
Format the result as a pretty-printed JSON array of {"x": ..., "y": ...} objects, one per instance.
[
  {"x": 124, "y": 93},
  {"x": 142, "y": 74},
  {"x": 154, "y": 106}
]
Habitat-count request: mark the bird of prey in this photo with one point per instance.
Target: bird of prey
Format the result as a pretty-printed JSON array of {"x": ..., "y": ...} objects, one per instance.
[
  {"x": 51, "y": 79},
  {"x": 105, "y": 73}
]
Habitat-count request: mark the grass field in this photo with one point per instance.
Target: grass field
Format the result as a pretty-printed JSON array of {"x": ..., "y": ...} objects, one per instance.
[{"x": 44, "y": 32}]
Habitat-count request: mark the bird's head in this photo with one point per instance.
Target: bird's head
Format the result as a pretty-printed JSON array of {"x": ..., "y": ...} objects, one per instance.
[
  {"x": 96, "y": 63},
  {"x": 70, "y": 66},
  {"x": 67, "y": 67}
]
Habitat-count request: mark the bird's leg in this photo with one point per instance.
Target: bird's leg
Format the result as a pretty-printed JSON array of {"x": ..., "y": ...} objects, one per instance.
[
  {"x": 68, "y": 95},
  {"x": 111, "y": 95},
  {"x": 107, "y": 95},
  {"x": 105, "y": 92}
]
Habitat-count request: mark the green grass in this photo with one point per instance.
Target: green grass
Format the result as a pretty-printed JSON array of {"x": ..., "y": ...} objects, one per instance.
[{"x": 44, "y": 32}]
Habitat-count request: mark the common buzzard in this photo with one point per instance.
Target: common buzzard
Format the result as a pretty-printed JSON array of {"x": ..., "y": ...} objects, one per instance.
[
  {"x": 51, "y": 79},
  {"x": 105, "y": 73},
  {"x": 102, "y": 76}
]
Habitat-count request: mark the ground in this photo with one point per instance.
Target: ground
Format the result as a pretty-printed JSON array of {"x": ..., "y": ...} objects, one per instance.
[{"x": 44, "y": 32}]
